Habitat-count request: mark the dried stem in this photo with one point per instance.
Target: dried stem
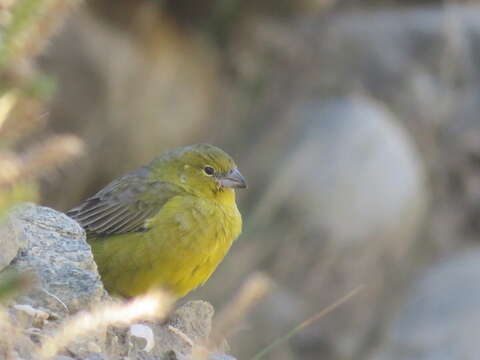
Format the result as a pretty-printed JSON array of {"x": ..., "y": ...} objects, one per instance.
[
  {"x": 254, "y": 289},
  {"x": 153, "y": 306},
  {"x": 308, "y": 322}
]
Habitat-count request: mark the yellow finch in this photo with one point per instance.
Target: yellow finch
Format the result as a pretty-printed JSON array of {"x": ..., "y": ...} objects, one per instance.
[{"x": 167, "y": 224}]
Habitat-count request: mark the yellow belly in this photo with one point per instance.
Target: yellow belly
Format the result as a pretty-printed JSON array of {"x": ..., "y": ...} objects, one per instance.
[{"x": 185, "y": 243}]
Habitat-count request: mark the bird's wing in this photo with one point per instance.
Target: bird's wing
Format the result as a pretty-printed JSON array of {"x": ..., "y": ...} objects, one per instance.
[{"x": 124, "y": 205}]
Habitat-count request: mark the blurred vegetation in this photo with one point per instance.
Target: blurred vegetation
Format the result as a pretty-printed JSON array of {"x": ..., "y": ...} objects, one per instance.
[{"x": 25, "y": 27}]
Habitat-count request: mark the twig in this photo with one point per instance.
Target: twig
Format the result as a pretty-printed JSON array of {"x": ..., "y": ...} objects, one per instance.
[
  {"x": 58, "y": 300},
  {"x": 308, "y": 322}
]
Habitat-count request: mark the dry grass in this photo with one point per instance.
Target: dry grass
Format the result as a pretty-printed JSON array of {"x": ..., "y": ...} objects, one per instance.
[
  {"x": 253, "y": 290},
  {"x": 27, "y": 26},
  {"x": 152, "y": 306},
  {"x": 311, "y": 320}
]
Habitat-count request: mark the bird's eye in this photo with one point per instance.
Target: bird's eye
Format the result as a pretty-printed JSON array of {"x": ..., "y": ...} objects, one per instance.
[{"x": 209, "y": 170}]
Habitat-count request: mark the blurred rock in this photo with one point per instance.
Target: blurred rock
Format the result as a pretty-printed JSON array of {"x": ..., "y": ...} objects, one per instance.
[
  {"x": 345, "y": 200},
  {"x": 357, "y": 191},
  {"x": 440, "y": 318},
  {"x": 54, "y": 250},
  {"x": 353, "y": 160}
]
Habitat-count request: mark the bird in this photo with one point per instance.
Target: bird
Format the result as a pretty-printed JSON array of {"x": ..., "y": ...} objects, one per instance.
[{"x": 165, "y": 225}]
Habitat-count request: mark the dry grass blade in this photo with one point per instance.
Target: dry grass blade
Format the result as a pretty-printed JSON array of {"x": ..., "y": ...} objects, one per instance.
[
  {"x": 7, "y": 102},
  {"x": 33, "y": 23},
  {"x": 10, "y": 167},
  {"x": 39, "y": 159},
  {"x": 254, "y": 289},
  {"x": 309, "y": 322},
  {"x": 20, "y": 117},
  {"x": 153, "y": 306}
]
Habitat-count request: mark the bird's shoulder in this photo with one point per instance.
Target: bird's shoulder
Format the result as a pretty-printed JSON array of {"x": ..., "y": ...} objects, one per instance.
[{"x": 125, "y": 204}]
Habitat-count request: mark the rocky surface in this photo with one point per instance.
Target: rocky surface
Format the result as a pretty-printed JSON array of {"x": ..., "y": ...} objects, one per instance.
[
  {"x": 440, "y": 319},
  {"x": 150, "y": 341},
  {"x": 9, "y": 242},
  {"x": 52, "y": 247}
]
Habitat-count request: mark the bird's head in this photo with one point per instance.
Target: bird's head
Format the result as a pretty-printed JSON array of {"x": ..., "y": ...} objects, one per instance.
[{"x": 203, "y": 170}]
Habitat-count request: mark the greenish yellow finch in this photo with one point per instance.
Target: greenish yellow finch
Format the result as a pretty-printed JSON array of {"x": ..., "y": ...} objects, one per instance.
[{"x": 167, "y": 224}]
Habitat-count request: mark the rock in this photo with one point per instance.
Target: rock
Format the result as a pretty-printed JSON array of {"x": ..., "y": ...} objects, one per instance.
[
  {"x": 440, "y": 318},
  {"x": 188, "y": 326},
  {"x": 194, "y": 318},
  {"x": 53, "y": 248},
  {"x": 145, "y": 334},
  {"x": 96, "y": 356},
  {"x": 361, "y": 194},
  {"x": 28, "y": 316},
  {"x": 10, "y": 241},
  {"x": 350, "y": 147},
  {"x": 91, "y": 345},
  {"x": 220, "y": 357}
]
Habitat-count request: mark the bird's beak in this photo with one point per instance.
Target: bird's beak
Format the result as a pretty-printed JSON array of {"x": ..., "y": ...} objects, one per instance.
[{"x": 233, "y": 179}]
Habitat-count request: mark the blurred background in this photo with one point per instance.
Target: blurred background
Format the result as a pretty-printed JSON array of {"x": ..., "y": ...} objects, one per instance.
[{"x": 356, "y": 124}]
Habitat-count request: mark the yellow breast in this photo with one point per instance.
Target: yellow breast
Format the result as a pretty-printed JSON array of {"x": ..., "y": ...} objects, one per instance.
[{"x": 185, "y": 243}]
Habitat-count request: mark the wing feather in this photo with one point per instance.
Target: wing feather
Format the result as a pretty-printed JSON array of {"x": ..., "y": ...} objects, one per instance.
[
  {"x": 124, "y": 205},
  {"x": 94, "y": 212},
  {"x": 107, "y": 221}
]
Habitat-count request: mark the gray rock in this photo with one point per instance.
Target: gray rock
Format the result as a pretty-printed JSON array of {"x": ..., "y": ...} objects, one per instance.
[
  {"x": 220, "y": 357},
  {"x": 194, "y": 318},
  {"x": 96, "y": 356},
  {"x": 189, "y": 324},
  {"x": 352, "y": 146},
  {"x": 26, "y": 316},
  {"x": 53, "y": 248},
  {"x": 440, "y": 319},
  {"x": 10, "y": 241}
]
